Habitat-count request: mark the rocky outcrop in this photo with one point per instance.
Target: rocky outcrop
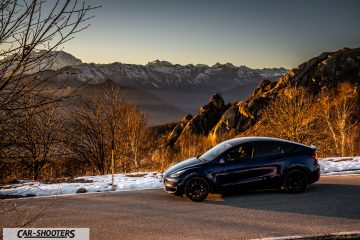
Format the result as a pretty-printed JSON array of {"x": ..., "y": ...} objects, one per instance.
[
  {"x": 244, "y": 114},
  {"x": 325, "y": 71},
  {"x": 202, "y": 123},
  {"x": 208, "y": 116},
  {"x": 178, "y": 130}
]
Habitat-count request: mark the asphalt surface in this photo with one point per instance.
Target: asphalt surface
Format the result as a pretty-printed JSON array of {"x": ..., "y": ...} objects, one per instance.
[{"x": 329, "y": 206}]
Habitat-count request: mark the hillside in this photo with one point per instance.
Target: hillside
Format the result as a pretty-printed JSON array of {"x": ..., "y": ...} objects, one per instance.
[{"x": 324, "y": 73}]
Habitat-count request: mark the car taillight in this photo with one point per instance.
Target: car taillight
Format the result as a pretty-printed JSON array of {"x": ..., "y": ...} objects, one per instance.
[{"x": 314, "y": 156}]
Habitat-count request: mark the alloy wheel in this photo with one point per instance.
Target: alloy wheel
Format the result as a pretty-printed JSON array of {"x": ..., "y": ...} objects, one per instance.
[
  {"x": 197, "y": 189},
  {"x": 295, "y": 181}
]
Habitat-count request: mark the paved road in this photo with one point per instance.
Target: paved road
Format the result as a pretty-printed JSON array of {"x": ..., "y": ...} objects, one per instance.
[{"x": 332, "y": 205}]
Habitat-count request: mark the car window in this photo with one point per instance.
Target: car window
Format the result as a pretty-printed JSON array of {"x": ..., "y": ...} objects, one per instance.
[
  {"x": 239, "y": 153},
  {"x": 269, "y": 149},
  {"x": 215, "y": 151},
  {"x": 289, "y": 148}
]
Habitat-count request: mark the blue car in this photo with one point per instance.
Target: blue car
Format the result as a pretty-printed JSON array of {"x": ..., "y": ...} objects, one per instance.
[{"x": 243, "y": 164}]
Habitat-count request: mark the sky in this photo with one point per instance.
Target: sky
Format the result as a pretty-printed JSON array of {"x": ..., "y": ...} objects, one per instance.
[{"x": 255, "y": 33}]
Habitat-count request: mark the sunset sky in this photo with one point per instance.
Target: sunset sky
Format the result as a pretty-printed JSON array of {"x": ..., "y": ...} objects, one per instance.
[{"x": 255, "y": 33}]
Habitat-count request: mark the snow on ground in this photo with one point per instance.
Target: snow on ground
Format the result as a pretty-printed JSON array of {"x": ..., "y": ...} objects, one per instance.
[
  {"x": 122, "y": 182},
  {"x": 340, "y": 165},
  {"x": 141, "y": 181}
]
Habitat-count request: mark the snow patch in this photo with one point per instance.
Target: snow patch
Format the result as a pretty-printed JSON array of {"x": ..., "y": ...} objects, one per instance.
[
  {"x": 340, "y": 165},
  {"x": 122, "y": 182}
]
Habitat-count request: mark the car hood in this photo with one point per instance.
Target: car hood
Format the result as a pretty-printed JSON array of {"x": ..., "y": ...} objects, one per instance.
[{"x": 183, "y": 165}]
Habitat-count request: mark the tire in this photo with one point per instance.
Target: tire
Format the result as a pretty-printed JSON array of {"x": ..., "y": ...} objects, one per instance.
[
  {"x": 197, "y": 189},
  {"x": 295, "y": 181}
]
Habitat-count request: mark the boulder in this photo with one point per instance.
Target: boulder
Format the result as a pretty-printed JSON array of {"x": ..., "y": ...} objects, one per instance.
[
  {"x": 81, "y": 190},
  {"x": 176, "y": 132},
  {"x": 227, "y": 122},
  {"x": 209, "y": 115}
]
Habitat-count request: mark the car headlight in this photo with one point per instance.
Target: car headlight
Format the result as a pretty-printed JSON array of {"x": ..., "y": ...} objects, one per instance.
[{"x": 176, "y": 174}]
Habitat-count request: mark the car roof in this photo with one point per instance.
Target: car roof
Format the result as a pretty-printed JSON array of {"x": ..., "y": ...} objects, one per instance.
[{"x": 240, "y": 140}]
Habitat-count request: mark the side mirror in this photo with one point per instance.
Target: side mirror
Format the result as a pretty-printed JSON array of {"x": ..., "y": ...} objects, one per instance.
[{"x": 222, "y": 161}]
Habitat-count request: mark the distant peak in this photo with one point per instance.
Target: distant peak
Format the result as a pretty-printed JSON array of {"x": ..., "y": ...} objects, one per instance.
[
  {"x": 201, "y": 65},
  {"x": 158, "y": 63},
  {"x": 244, "y": 67},
  {"x": 228, "y": 65},
  {"x": 216, "y": 65}
]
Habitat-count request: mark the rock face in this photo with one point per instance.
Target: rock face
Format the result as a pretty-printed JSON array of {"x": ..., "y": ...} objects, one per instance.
[
  {"x": 207, "y": 118},
  {"x": 244, "y": 114},
  {"x": 179, "y": 128},
  {"x": 326, "y": 71}
]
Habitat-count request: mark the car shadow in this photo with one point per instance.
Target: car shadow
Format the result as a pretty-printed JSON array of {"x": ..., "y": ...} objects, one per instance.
[{"x": 332, "y": 200}]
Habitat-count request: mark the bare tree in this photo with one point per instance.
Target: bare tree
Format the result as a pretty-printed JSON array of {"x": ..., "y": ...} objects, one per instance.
[
  {"x": 26, "y": 26},
  {"x": 90, "y": 135},
  {"x": 339, "y": 112},
  {"x": 137, "y": 131},
  {"x": 39, "y": 139},
  {"x": 292, "y": 116},
  {"x": 108, "y": 121}
]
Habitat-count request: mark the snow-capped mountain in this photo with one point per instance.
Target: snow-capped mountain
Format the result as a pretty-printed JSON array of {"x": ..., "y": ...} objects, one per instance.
[
  {"x": 165, "y": 75},
  {"x": 40, "y": 60},
  {"x": 64, "y": 59}
]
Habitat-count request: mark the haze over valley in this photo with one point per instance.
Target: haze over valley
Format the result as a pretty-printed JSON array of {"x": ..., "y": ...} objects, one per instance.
[{"x": 165, "y": 91}]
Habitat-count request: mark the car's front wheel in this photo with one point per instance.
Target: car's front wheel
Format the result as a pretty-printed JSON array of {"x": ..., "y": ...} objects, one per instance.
[
  {"x": 295, "y": 181},
  {"x": 197, "y": 189}
]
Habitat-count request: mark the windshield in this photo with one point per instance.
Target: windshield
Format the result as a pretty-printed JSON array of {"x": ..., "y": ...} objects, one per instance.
[{"x": 215, "y": 151}]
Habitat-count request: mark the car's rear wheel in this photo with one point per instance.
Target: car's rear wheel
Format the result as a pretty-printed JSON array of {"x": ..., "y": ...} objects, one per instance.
[
  {"x": 197, "y": 189},
  {"x": 295, "y": 181}
]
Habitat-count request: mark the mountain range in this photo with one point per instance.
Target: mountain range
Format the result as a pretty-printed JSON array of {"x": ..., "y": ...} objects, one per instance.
[
  {"x": 164, "y": 75},
  {"x": 185, "y": 87}
]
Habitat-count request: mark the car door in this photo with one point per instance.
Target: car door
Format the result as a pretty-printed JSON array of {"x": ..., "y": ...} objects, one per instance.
[
  {"x": 267, "y": 163},
  {"x": 232, "y": 168}
]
